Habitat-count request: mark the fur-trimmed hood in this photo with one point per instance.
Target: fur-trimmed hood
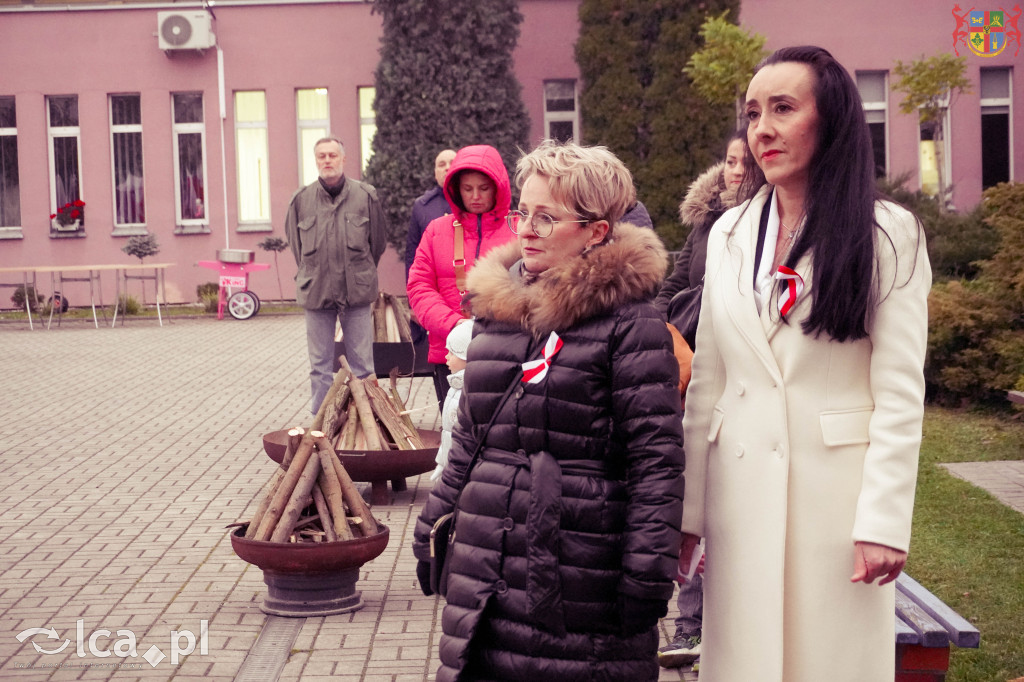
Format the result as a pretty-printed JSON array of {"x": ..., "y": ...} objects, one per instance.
[
  {"x": 707, "y": 194},
  {"x": 628, "y": 268}
]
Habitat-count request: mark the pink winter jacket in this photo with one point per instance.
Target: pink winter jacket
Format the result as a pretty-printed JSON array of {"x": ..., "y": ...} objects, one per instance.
[{"x": 433, "y": 295}]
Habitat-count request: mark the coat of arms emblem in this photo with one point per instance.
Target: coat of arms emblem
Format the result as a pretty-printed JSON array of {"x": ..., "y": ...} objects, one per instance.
[{"x": 986, "y": 32}]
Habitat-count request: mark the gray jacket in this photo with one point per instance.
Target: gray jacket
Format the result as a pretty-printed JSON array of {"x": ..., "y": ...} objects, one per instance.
[{"x": 337, "y": 244}]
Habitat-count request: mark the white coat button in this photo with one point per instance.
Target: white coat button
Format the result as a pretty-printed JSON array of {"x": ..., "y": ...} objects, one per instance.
[
  {"x": 778, "y": 453},
  {"x": 740, "y": 388},
  {"x": 739, "y": 451}
]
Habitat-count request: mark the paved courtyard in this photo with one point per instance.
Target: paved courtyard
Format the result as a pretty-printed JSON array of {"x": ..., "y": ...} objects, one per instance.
[{"x": 124, "y": 454}]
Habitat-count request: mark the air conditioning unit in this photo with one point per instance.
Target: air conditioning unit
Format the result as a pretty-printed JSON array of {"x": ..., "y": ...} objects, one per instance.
[{"x": 185, "y": 30}]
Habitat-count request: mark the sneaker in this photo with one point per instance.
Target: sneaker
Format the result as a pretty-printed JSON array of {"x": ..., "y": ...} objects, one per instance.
[{"x": 683, "y": 650}]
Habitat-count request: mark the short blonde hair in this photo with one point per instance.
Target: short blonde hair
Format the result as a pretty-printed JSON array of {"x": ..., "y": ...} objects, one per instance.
[{"x": 590, "y": 181}]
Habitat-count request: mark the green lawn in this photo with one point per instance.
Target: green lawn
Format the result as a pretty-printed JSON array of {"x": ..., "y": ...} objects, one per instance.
[{"x": 967, "y": 547}]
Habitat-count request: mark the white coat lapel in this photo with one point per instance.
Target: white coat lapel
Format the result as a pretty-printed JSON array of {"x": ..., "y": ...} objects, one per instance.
[{"x": 740, "y": 299}]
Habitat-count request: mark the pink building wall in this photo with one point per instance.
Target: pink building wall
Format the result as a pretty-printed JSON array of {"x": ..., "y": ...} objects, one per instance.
[
  {"x": 279, "y": 48},
  {"x": 274, "y": 48},
  {"x": 870, "y": 35}
]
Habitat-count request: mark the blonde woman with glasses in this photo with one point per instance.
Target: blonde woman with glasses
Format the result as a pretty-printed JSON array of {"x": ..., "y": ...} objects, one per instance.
[{"x": 565, "y": 468}]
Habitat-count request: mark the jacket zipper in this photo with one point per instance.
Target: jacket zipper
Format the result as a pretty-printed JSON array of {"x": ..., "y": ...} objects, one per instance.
[{"x": 479, "y": 235}]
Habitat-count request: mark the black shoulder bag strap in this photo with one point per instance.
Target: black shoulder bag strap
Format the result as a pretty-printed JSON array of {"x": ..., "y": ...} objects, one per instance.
[{"x": 483, "y": 436}]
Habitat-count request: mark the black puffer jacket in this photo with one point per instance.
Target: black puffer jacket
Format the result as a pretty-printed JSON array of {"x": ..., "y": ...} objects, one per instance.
[{"x": 574, "y": 504}]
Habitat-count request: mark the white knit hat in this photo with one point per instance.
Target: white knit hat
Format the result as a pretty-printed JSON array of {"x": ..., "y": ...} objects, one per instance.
[{"x": 459, "y": 338}]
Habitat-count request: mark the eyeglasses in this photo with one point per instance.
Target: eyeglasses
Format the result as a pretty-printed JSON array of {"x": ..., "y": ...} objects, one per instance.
[{"x": 543, "y": 224}]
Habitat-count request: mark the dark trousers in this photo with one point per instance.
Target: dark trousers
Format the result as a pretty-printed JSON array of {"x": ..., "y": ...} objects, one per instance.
[{"x": 441, "y": 373}]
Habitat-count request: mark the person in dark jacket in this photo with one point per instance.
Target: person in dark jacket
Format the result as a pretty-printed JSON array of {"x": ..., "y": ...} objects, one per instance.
[
  {"x": 566, "y": 533},
  {"x": 428, "y": 206},
  {"x": 715, "y": 191}
]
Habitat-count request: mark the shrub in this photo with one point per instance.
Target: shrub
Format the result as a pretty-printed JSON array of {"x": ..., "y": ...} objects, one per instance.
[
  {"x": 956, "y": 242},
  {"x": 209, "y": 296},
  {"x": 141, "y": 246},
  {"x": 976, "y": 328},
  {"x": 210, "y": 302},
  {"x": 206, "y": 289},
  {"x": 129, "y": 305},
  {"x": 34, "y": 298}
]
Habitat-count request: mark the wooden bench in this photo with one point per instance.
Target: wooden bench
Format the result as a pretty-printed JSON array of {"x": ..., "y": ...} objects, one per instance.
[{"x": 925, "y": 628}]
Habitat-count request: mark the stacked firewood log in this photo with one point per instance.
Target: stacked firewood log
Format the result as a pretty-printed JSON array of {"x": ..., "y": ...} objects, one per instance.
[
  {"x": 310, "y": 497},
  {"x": 390, "y": 320},
  {"x": 310, "y": 476}
]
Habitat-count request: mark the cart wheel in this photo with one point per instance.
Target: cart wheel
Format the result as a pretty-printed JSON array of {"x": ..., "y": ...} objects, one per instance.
[
  {"x": 242, "y": 305},
  {"x": 255, "y": 298}
]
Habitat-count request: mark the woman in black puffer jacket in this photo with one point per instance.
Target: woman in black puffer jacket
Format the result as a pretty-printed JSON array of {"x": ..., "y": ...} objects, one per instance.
[{"x": 567, "y": 529}]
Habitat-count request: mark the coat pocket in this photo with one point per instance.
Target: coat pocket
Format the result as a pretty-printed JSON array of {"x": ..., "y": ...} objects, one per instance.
[
  {"x": 358, "y": 228},
  {"x": 717, "y": 417},
  {"x": 308, "y": 235},
  {"x": 846, "y": 427}
]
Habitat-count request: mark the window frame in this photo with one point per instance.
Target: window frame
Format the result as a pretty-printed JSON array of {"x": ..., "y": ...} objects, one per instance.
[
  {"x": 190, "y": 225},
  {"x": 261, "y": 224},
  {"x": 367, "y": 125},
  {"x": 52, "y": 133},
  {"x": 878, "y": 106},
  {"x": 572, "y": 117},
  {"x": 125, "y": 229},
  {"x": 13, "y": 231},
  {"x": 947, "y": 166},
  {"x": 305, "y": 149},
  {"x": 990, "y": 103}
]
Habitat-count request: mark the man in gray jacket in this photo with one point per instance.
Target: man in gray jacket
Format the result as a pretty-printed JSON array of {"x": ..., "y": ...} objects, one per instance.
[{"x": 337, "y": 232}]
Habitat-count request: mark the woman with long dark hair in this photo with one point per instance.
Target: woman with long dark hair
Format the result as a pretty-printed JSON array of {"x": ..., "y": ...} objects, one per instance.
[{"x": 803, "y": 415}]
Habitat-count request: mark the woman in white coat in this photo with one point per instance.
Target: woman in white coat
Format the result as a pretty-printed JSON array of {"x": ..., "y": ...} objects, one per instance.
[{"x": 803, "y": 415}]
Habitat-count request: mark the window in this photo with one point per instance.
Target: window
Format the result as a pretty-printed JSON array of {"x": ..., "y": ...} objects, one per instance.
[
  {"x": 189, "y": 160},
  {"x": 126, "y": 153},
  {"x": 874, "y": 93},
  {"x": 252, "y": 156},
  {"x": 313, "y": 115},
  {"x": 367, "y": 125},
  {"x": 10, "y": 192},
  {"x": 934, "y": 151},
  {"x": 65, "y": 156},
  {"x": 561, "y": 111},
  {"x": 995, "y": 126}
]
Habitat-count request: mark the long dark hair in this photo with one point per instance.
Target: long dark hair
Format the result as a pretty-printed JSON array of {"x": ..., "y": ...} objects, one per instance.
[
  {"x": 840, "y": 201},
  {"x": 753, "y": 176}
]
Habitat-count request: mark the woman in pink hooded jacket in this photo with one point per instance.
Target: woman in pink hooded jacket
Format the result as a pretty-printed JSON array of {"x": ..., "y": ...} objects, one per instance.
[{"x": 478, "y": 189}]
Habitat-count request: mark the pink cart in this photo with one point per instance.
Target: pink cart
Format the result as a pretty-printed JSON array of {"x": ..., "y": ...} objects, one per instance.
[{"x": 234, "y": 266}]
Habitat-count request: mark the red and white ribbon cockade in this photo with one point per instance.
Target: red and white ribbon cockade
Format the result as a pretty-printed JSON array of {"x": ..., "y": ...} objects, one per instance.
[
  {"x": 535, "y": 370},
  {"x": 794, "y": 286}
]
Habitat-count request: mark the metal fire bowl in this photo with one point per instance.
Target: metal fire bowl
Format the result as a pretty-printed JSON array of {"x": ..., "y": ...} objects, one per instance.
[
  {"x": 235, "y": 255},
  {"x": 370, "y": 465},
  {"x": 308, "y": 557}
]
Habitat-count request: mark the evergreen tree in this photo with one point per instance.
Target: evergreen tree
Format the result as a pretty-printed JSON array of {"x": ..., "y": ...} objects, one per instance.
[
  {"x": 637, "y": 101},
  {"x": 445, "y": 80}
]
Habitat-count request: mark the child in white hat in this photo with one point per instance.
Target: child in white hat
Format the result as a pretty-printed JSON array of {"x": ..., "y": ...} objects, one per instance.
[{"x": 457, "y": 344}]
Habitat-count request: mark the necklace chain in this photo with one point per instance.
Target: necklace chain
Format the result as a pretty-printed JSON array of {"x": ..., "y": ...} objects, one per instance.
[{"x": 791, "y": 231}]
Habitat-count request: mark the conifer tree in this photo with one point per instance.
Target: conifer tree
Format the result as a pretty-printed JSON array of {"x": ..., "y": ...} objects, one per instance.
[
  {"x": 637, "y": 101},
  {"x": 445, "y": 80}
]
